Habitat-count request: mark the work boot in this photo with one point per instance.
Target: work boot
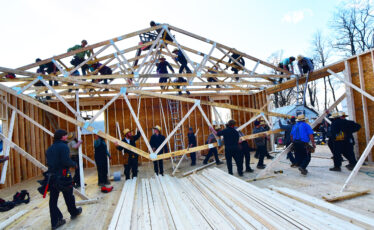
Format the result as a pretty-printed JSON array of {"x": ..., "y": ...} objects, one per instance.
[
  {"x": 249, "y": 170},
  {"x": 350, "y": 167},
  {"x": 219, "y": 163},
  {"x": 188, "y": 93},
  {"x": 261, "y": 166},
  {"x": 335, "y": 169},
  {"x": 294, "y": 165},
  {"x": 79, "y": 211},
  {"x": 240, "y": 174},
  {"x": 269, "y": 157},
  {"x": 60, "y": 222},
  {"x": 303, "y": 171}
]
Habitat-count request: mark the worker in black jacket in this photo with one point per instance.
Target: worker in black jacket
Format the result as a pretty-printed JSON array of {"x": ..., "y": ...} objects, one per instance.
[
  {"x": 132, "y": 162},
  {"x": 212, "y": 151},
  {"x": 342, "y": 134},
  {"x": 162, "y": 68},
  {"x": 238, "y": 58},
  {"x": 156, "y": 140},
  {"x": 232, "y": 150},
  {"x": 101, "y": 160},
  {"x": 58, "y": 163},
  {"x": 192, "y": 143},
  {"x": 287, "y": 138}
]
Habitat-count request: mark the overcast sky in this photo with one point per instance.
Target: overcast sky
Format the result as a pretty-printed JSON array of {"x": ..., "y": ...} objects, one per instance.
[{"x": 43, "y": 28}]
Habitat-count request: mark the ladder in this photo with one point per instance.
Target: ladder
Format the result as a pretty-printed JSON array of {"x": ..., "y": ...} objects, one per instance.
[
  {"x": 174, "y": 107},
  {"x": 300, "y": 94}
]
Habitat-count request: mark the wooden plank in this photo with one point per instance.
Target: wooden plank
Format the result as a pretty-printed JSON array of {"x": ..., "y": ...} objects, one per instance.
[
  {"x": 12, "y": 219},
  {"x": 7, "y": 148},
  {"x": 341, "y": 197},
  {"x": 334, "y": 210}
]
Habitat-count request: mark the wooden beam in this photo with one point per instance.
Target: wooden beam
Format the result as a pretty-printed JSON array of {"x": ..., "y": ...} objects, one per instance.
[{"x": 341, "y": 197}]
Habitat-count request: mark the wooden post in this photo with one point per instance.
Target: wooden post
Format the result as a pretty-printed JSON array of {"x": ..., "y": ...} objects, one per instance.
[
  {"x": 7, "y": 148},
  {"x": 364, "y": 103}
]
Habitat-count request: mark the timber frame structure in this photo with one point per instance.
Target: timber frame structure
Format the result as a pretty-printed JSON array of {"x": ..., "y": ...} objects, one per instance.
[{"x": 128, "y": 105}]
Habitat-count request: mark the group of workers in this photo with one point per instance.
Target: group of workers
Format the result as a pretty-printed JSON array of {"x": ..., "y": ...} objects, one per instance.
[{"x": 340, "y": 140}]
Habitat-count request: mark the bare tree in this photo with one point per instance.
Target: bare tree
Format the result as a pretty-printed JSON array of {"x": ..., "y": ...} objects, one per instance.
[{"x": 353, "y": 27}]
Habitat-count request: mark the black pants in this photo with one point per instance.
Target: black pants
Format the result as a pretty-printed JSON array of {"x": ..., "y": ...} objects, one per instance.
[
  {"x": 291, "y": 156},
  {"x": 330, "y": 143},
  {"x": 159, "y": 167},
  {"x": 193, "y": 158},
  {"x": 78, "y": 61},
  {"x": 163, "y": 80},
  {"x": 236, "y": 153},
  {"x": 306, "y": 69},
  {"x": 54, "y": 211},
  {"x": 212, "y": 79},
  {"x": 132, "y": 165},
  {"x": 76, "y": 178},
  {"x": 212, "y": 151},
  {"x": 236, "y": 71},
  {"x": 102, "y": 169},
  {"x": 181, "y": 80},
  {"x": 247, "y": 156},
  {"x": 346, "y": 149},
  {"x": 184, "y": 66},
  {"x": 261, "y": 151},
  {"x": 302, "y": 156}
]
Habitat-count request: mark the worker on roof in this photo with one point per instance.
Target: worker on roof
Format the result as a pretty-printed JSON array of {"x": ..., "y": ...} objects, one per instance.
[
  {"x": 192, "y": 143},
  {"x": 103, "y": 70},
  {"x": 79, "y": 57},
  {"x": 162, "y": 68},
  {"x": 236, "y": 67},
  {"x": 342, "y": 135},
  {"x": 244, "y": 146},
  {"x": 232, "y": 150},
  {"x": 286, "y": 64},
  {"x": 212, "y": 70},
  {"x": 101, "y": 160},
  {"x": 305, "y": 64},
  {"x": 73, "y": 144},
  {"x": 49, "y": 68},
  {"x": 212, "y": 151},
  {"x": 132, "y": 160},
  {"x": 301, "y": 135},
  {"x": 156, "y": 140},
  {"x": 60, "y": 180},
  {"x": 182, "y": 60},
  {"x": 287, "y": 138},
  {"x": 165, "y": 35}
]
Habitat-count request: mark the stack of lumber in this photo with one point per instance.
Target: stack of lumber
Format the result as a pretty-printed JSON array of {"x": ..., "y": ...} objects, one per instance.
[{"x": 216, "y": 200}]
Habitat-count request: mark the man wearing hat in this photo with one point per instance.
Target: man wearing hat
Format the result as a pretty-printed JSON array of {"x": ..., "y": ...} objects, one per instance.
[
  {"x": 192, "y": 143},
  {"x": 156, "y": 140},
  {"x": 162, "y": 68},
  {"x": 232, "y": 150},
  {"x": 287, "y": 138},
  {"x": 212, "y": 151},
  {"x": 73, "y": 145},
  {"x": 305, "y": 64},
  {"x": 342, "y": 136},
  {"x": 301, "y": 135},
  {"x": 59, "y": 163},
  {"x": 132, "y": 161}
]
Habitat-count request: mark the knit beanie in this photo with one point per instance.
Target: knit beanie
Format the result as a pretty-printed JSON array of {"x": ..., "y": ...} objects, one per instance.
[{"x": 59, "y": 134}]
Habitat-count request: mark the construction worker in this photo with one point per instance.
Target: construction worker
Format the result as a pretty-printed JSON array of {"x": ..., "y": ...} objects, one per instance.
[
  {"x": 212, "y": 151},
  {"x": 49, "y": 68},
  {"x": 165, "y": 36},
  {"x": 101, "y": 160},
  {"x": 305, "y": 64},
  {"x": 301, "y": 135},
  {"x": 212, "y": 70},
  {"x": 103, "y": 70},
  {"x": 192, "y": 143},
  {"x": 162, "y": 68},
  {"x": 79, "y": 57},
  {"x": 342, "y": 134},
  {"x": 73, "y": 145},
  {"x": 182, "y": 60},
  {"x": 232, "y": 150},
  {"x": 287, "y": 138},
  {"x": 287, "y": 64},
  {"x": 235, "y": 68},
  {"x": 132, "y": 162},
  {"x": 60, "y": 180},
  {"x": 156, "y": 140},
  {"x": 260, "y": 143},
  {"x": 244, "y": 146},
  {"x": 266, "y": 128}
]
